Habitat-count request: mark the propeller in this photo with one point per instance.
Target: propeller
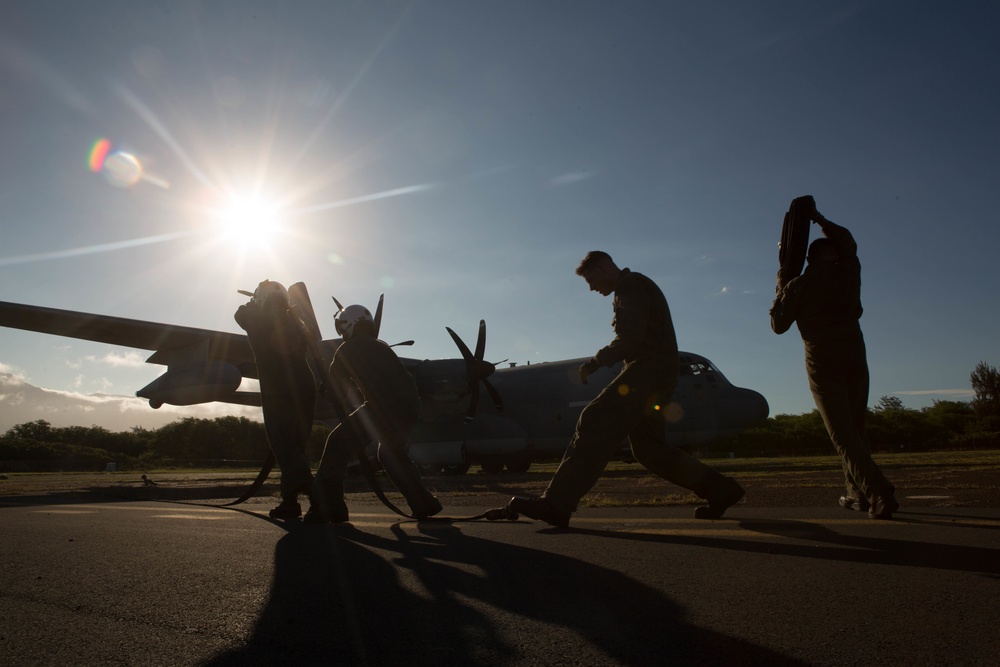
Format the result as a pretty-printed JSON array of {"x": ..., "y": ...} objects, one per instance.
[
  {"x": 301, "y": 305},
  {"x": 378, "y": 314},
  {"x": 477, "y": 370}
]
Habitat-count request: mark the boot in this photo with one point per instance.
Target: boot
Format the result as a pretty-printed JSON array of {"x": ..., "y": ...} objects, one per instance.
[
  {"x": 539, "y": 509},
  {"x": 883, "y": 507},
  {"x": 288, "y": 509},
  {"x": 724, "y": 495},
  {"x": 426, "y": 507},
  {"x": 854, "y": 501},
  {"x": 326, "y": 504}
]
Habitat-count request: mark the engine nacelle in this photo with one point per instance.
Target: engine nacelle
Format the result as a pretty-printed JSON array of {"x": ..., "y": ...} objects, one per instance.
[
  {"x": 494, "y": 436},
  {"x": 192, "y": 384},
  {"x": 455, "y": 442}
]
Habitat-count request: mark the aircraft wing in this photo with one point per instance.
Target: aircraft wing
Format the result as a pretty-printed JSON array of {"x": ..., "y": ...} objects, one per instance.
[{"x": 172, "y": 344}]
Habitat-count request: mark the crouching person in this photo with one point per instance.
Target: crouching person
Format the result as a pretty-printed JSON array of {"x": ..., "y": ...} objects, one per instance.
[
  {"x": 390, "y": 409},
  {"x": 287, "y": 388}
]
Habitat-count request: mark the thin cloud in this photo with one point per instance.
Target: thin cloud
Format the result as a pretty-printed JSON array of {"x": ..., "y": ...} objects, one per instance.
[
  {"x": 21, "y": 403},
  {"x": 968, "y": 393},
  {"x": 571, "y": 178},
  {"x": 385, "y": 194},
  {"x": 10, "y": 374},
  {"x": 126, "y": 360},
  {"x": 93, "y": 249}
]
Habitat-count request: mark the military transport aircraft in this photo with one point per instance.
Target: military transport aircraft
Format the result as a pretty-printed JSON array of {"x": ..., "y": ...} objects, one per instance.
[{"x": 531, "y": 415}]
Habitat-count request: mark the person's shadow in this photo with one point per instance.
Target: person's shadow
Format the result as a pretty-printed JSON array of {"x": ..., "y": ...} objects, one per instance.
[{"x": 452, "y": 599}]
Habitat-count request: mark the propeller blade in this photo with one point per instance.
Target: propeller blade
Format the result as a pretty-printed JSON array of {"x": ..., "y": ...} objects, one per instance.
[
  {"x": 481, "y": 341},
  {"x": 462, "y": 347},
  {"x": 340, "y": 306},
  {"x": 473, "y": 403},
  {"x": 495, "y": 395},
  {"x": 477, "y": 370},
  {"x": 301, "y": 304},
  {"x": 378, "y": 314}
]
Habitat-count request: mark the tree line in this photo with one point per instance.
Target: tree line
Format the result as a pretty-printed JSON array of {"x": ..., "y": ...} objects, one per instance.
[
  {"x": 242, "y": 442},
  {"x": 890, "y": 426},
  {"x": 187, "y": 443}
]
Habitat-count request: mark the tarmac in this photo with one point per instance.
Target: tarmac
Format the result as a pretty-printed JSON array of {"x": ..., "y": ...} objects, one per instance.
[{"x": 180, "y": 583}]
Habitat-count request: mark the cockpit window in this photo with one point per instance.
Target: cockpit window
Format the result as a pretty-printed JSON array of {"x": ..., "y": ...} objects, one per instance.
[{"x": 691, "y": 366}]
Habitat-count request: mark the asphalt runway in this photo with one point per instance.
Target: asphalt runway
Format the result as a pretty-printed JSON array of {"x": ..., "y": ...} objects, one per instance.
[{"x": 168, "y": 583}]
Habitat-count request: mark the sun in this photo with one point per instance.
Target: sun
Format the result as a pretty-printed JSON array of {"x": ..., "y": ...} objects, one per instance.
[{"x": 250, "y": 220}]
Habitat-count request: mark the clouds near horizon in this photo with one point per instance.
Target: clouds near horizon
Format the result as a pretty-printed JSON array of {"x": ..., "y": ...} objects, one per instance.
[{"x": 21, "y": 402}]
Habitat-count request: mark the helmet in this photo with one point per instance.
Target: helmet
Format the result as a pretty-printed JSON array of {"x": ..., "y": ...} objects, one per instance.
[
  {"x": 268, "y": 290},
  {"x": 346, "y": 319}
]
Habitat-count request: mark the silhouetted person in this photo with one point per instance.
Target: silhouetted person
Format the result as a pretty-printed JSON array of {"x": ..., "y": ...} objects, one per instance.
[
  {"x": 287, "y": 388},
  {"x": 390, "y": 409},
  {"x": 147, "y": 481},
  {"x": 631, "y": 406},
  {"x": 825, "y": 302}
]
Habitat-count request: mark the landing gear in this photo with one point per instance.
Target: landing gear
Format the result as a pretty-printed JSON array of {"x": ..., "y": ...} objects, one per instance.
[
  {"x": 516, "y": 465},
  {"x": 491, "y": 466},
  {"x": 519, "y": 465},
  {"x": 456, "y": 469},
  {"x": 429, "y": 470}
]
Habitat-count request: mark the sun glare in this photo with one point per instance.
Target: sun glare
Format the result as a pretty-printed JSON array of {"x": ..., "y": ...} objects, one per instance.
[{"x": 250, "y": 221}]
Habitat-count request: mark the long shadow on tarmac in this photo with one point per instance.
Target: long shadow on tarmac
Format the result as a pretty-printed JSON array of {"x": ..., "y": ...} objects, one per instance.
[
  {"x": 840, "y": 547},
  {"x": 336, "y": 598},
  {"x": 132, "y": 493}
]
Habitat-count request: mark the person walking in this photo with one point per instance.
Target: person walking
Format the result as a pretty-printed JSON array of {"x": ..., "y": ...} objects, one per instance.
[{"x": 631, "y": 406}]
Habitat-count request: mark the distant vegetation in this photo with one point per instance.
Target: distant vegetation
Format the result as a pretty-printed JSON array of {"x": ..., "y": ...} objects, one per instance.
[
  {"x": 891, "y": 426},
  {"x": 241, "y": 442},
  {"x": 188, "y": 443}
]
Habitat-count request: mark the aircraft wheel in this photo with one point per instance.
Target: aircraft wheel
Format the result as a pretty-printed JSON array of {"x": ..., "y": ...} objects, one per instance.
[
  {"x": 429, "y": 469},
  {"x": 491, "y": 467},
  {"x": 519, "y": 465},
  {"x": 456, "y": 469}
]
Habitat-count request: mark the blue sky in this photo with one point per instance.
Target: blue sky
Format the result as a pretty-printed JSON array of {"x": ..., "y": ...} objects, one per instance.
[{"x": 463, "y": 156}]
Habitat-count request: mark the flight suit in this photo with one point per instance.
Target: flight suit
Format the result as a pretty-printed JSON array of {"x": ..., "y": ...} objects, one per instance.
[
  {"x": 287, "y": 389},
  {"x": 633, "y": 405},
  {"x": 390, "y": 409},
  {"x": 825, "y": 302}
]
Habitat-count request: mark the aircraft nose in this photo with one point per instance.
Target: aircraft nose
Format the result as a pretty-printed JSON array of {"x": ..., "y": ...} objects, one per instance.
[
  {"x": 757, "y": 406},
  {"x": 753, "y": 408}
]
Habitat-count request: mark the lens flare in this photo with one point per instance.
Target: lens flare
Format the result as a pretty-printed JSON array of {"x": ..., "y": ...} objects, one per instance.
[
  {"x": 674, "y": 412},
  {"x": 98, "y": 153},
  {"x": 122, "y": 170}
]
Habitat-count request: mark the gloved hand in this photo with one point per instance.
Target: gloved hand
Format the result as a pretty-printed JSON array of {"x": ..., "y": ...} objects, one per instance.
[
  {"x": 245, "y": 313},
  {"x": 781, "y": 280},
  {"x": 588, "y": 368}
]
